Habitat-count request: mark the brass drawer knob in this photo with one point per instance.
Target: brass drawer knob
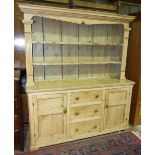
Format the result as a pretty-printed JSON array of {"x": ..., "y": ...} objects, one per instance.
[
  {"x": 95, "y": 127},
  {"x": 97, "y": 96},
  {"x": 76, "y": 113},
  {"x": 77, "y": 98},
  {"x": 76, "y": 130},
  {"x": 65, "y": 110},
  {"x": 96, "y": 110}
]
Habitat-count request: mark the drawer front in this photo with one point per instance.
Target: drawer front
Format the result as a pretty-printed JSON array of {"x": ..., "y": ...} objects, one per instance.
[
  {"x": 116, "y": 96},
  {"x": 86, "y": 96},
  {"x": 85, "y": 111},
  {"x": 85, "y": 127}
]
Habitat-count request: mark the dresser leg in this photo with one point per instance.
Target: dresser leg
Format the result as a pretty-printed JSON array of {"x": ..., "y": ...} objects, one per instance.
[{"x": 34, "y": 148}]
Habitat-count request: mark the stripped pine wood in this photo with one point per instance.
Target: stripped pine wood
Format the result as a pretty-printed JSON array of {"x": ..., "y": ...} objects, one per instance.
[
  {"x": 53, "y": 72},
  {"x": 28, "y": 47},
  {"x": 85, "y": 53},
  {"x": 83, "y": 112},
  {"x": 110, "y": 70},
  {"x": 85, "y": 71},
  {"x": 70, "y": 53},
  {"x": 52, "y": 30},
  {"x": 70, "y": 71},
  {"x": 75, "y": 43},
  {"x": 38, "y": 55},
  {"x": 69, "y": 32},
  {"x": 38, "y": 73},
  {"x": 75, "y": 63},
  {"x": 100, "y": 53},
  {"x": 115, "y": 115},
  {"x": 45, "y": 114},
  {"x": 99, "y": 70},
  {"x": 115, "y": 33},
  {"x": 85, "y": 33},
  {"x": 37, "y": 29},
  {"x": 52, "y": 53},
  {"x": 124, "y": 51},
  {"x": 100, "y": 34},
  {"x": 86, "y": 96},
  {"x": 85, "y": 127},
  {"x": 114, "y": 53},
  {"x": 116, "y": 106}
]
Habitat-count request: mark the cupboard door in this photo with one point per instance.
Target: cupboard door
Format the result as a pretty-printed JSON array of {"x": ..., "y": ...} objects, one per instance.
[
  {"x": 116, "y": 107},
  {"x": 49, "y": 117}
]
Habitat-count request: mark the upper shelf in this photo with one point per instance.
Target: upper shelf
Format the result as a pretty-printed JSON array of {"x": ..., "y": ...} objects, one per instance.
[
  {"x": 75, "y": 43},
  {"x": 76, "y": 63}
]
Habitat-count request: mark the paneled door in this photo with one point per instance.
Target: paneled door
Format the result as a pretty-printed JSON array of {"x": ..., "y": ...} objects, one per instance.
[
  {"x": 49, "y": 117},
  {"x": 116, "y": 107}
]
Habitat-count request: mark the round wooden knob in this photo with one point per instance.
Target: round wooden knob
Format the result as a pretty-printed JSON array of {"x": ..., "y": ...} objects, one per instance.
[
  {"x": 95, "y": 127},
  {"x": 96, "y": 110},
  {"x": 76, "y": 113},
  {"x": 97, "y": 96},
  {"x": 77, "y": 98},
  {"x": 76, "y": 130},
  {"x": 65, "y": 110}
]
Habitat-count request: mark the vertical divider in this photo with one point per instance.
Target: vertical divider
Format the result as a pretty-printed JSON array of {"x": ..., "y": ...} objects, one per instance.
[
  {"x": 61, "y": 51},
  {"x": 32, "y": 61},
  {"x": 78, "y": 67},
  {"x": 43, "y": 44},
  {"x": 106, "y": 66},
  {"x": 92, "y": 49}
]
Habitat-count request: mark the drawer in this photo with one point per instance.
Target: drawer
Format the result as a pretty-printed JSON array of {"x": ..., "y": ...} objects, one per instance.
[
  {"x": 116, "y": 96},
  {"x": 86, "y": 96},
  {"x": 85, "y": 127},
  {"x": 85, "y": 111}
]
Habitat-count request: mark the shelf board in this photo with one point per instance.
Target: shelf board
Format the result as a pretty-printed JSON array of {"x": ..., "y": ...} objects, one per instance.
[
  {"x": 75, "y": 63},
  {"x": 82, "y": 83},
  {"x": 75, "y": 43}
]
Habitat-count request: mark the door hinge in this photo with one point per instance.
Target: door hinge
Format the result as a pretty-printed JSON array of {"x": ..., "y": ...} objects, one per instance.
[{"x": 33, "y": 103}]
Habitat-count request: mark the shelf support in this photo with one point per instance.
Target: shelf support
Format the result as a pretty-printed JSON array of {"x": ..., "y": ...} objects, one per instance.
[
  {"x": 124, "y": 51},
  {"x": 28, "y": 48}
]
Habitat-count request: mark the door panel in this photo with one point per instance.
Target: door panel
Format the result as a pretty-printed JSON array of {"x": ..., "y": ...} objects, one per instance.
[
  {"x": 116, "y": 107},
  {"x": 115, "y": 115},
  {"x": 49, "y": 117},
  {"x": 116, "y": 97},
  {"x": 51, "y": 125}
]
